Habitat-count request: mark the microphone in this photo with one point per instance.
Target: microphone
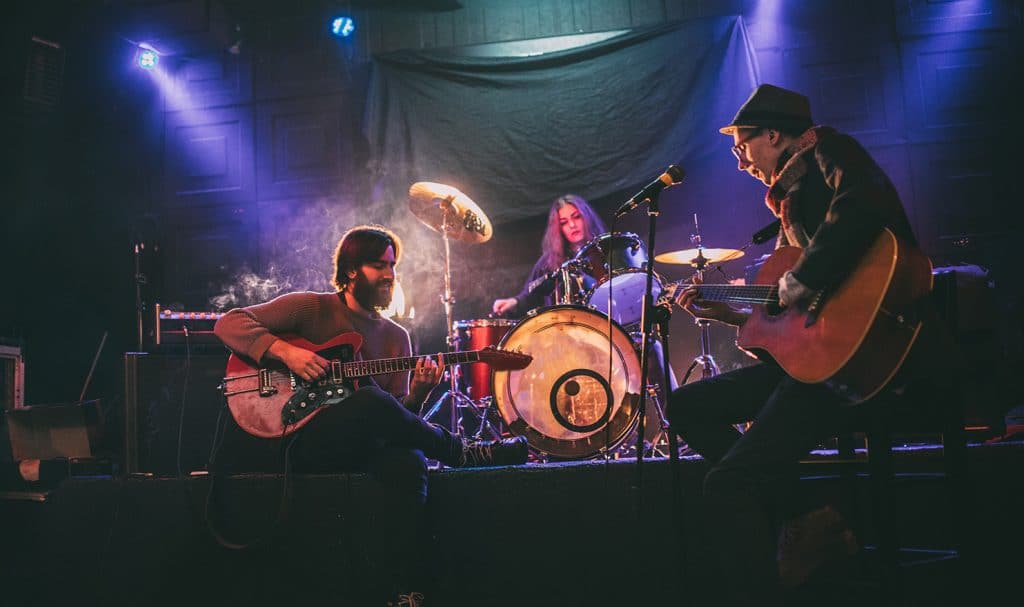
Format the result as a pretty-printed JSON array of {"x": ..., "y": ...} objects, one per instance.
[
  {"x": 670, "y": 177},
  {"x": 766, "y": 233}
]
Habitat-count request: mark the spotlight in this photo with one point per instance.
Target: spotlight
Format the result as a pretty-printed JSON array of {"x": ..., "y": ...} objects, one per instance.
[
  {"x": 148, "y": 58},
  {"x": 343, "y": 27}
]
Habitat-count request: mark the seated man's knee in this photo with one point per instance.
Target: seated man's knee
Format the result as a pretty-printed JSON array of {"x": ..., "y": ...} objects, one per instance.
[
  {"x": 725, "y": 480},
  {"x": 686, "y": 404},
  {"x": 373, "y": 399}
]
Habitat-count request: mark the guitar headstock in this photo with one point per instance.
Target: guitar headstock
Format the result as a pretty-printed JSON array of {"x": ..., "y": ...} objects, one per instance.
[{"x": 504, "y": 360}]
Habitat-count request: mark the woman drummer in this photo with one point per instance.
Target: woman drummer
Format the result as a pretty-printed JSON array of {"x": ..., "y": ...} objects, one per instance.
[{"x": 572, "y": 222}]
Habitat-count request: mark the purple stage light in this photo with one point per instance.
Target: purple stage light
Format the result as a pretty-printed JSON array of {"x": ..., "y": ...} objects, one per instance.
[{"x": 148, "y": 58}]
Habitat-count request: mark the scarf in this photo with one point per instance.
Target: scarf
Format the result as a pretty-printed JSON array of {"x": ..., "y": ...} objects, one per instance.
[{"x": 784, "y": 195}]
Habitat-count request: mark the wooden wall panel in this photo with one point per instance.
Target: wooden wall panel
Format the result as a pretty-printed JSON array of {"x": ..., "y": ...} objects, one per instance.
[
  {"x": 858, "y": 93},
  {"x": 550, "y": 18},
  {"x": 297, "y": 238},
  {"x": 609, "y": 15},
  {"x": 305, "y": 147},
  {"x": 469, "y": 25},
  {"x": 895, "y": 161},
  {"x": 646, "y": 12},
  {"x": 504, "y": 22},
  {"x": 961, "y": 188},
  {"x": 203, "y": 250},
  {"x": 212, "y": 80},
  {"x": 918, "y": 17},
  {"x": 582, "y": 15},
  {"x": 208, "y": 157},
  {"x": 953, "y": 84},
  {"x": 305, "y": 72}
]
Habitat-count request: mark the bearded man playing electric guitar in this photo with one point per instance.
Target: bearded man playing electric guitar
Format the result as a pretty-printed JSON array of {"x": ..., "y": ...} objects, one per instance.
[
  {"x": 842, "y": 223},
  {"x": 373, "y": 428}
]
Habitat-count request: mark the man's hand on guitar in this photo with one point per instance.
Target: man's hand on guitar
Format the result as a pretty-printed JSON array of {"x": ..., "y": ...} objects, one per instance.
[
  {"x": 425, "y": 376},
  {"x": 689, "y": 300},
  {"x": 306, "y": 364}
]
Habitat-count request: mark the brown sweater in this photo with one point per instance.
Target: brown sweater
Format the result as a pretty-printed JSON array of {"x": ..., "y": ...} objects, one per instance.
[{"x": 317, "y": 317}]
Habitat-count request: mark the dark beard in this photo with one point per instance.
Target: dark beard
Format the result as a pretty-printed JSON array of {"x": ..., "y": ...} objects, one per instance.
[{"x": 370, "y": 295}]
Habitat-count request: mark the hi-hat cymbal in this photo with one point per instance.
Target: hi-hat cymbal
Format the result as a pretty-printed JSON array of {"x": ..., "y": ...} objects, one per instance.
[
  {"x": 444, "y": 208},
  {"x": 690, "y": 256}
]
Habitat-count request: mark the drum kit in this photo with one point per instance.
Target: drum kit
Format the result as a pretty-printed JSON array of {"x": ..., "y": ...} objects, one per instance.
[{"x": 579, "y": 397}]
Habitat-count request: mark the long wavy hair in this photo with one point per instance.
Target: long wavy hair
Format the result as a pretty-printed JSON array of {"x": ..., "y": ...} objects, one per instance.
[{"x": 554, "y": 248}]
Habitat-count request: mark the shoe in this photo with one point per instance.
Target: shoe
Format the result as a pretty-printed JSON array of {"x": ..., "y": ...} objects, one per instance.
[
  {"x": 413, "y": 599},
  {"x": 811, "y": 540},
  {"x": 505, "y": 452}
]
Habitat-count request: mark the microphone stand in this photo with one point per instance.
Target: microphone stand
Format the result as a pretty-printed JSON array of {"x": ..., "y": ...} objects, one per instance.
[
  {"x": 645, "y": 330},
  {"x": 648, "y": 316}
]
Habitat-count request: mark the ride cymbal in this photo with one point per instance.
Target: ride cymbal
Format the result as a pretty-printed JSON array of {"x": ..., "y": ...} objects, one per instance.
[
  {"x": 445, "y": 209},
  {"x": 691, "y": 257}
]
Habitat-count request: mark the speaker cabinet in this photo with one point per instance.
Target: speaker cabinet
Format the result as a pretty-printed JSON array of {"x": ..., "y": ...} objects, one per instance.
[{"x": 172, "y": 402}]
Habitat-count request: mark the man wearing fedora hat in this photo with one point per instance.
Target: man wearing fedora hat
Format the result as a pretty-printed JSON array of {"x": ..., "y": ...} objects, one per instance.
[{"x": 832, "y": 200}]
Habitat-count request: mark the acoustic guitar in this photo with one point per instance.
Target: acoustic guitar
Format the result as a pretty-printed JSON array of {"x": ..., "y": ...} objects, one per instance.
[{"x": 853, "y": 337}]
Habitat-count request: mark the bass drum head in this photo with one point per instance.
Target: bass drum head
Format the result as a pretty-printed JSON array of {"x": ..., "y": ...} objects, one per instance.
[{"x": 565, "y": 402}]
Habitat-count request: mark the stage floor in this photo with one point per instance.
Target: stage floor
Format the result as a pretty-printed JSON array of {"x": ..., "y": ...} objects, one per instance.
[{"x": 570, "y": 533}]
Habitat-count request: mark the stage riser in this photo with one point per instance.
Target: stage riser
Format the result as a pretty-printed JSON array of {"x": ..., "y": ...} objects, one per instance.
[{"x": 539, "y": 535}]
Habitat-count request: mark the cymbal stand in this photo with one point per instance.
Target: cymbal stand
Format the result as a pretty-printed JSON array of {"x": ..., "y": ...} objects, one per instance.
[
  {"x": 458, "y": 400},
  {"x": 709, "y": 368}
]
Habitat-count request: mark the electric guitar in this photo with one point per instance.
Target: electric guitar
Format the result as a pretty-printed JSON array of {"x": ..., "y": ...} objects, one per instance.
[
  {"x": 854, "y": 337},
  {"x": 269, "y": 401}
]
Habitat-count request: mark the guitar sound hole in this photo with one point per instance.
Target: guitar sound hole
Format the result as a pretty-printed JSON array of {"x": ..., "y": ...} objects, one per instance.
[{"x": 774, "y": 309}]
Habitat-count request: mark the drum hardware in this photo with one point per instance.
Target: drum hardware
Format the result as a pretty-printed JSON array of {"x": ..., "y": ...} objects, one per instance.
[
  {"x": 656, "y": 436},
  {"x": 454, "y": 215},
  {"x": 659, "y": 445},
  {"x": 700, "y": 258},
  {"x": 481, "y": 333}
]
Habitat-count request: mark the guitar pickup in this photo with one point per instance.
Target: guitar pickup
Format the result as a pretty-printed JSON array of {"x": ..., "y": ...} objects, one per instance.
[{"x": 266, "y": 385}]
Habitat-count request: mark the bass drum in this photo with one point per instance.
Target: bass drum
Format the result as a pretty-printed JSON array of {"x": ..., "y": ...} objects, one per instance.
[{"x": 565, "y": 402}]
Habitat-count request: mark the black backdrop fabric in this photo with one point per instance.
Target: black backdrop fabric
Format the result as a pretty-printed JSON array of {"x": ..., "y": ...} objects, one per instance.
[{"x": 513, "y": 133}]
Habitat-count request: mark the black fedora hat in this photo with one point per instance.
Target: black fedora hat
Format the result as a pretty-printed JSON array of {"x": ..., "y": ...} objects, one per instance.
[{"x": 771, "y": 106}]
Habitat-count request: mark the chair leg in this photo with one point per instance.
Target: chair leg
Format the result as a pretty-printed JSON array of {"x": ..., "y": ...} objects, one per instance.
[
  {"x": 880, "y": 464},
  {"x": 848, "y": 476}
]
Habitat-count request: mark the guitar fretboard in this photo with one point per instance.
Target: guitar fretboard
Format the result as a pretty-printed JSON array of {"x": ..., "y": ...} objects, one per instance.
[
  {"x": 381, "y": 366},
  {"x": 751, "y": 294}
]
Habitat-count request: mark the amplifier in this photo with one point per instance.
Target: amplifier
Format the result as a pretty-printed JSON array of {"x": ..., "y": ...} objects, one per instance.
[
  {"x": 173, "y": 326},
  {"x": 171, "y": 398},
  {"x": 12, "y": 378}
]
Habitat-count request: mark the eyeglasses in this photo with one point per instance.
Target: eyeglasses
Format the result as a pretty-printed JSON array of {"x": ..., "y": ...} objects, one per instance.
[{"x": 738, "y": 148}]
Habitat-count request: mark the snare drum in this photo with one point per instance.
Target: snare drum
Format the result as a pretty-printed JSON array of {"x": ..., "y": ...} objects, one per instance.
[
  {"x": 480, "y": 334},
  {"x": 620, "y": 268},
  {"x": 566, "y": 403}
]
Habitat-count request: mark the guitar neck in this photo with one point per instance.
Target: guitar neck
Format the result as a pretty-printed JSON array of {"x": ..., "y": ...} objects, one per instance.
[
  {"x": 381, "y": 366},
  {"x": 742, "y": 294}
]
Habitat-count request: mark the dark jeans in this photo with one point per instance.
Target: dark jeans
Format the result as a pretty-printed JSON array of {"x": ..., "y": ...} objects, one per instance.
[
  {"x": 752, "y": 473},
  {"x": 368, "y": 432}
]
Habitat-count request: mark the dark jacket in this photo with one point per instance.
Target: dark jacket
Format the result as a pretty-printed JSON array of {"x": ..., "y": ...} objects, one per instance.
[{"x": 846, "y": 200}]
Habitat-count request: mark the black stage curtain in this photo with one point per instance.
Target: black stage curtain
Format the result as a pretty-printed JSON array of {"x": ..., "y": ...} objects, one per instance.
[{"x": 514, "y": 132}]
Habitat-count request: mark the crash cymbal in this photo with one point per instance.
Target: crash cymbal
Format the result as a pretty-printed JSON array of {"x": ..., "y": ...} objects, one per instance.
[
  {"x": 689, "y": 256},
  {"x": 442, "y": 207}
]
